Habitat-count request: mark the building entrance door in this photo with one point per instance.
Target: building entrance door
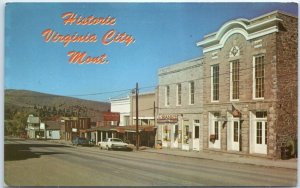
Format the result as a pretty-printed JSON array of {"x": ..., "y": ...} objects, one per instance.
[
  {"x": 235, "y": 135},
  {"x": 175, "y": 138},
  {"x": 258, "y": 132},
  {"x": 260, "y": 137},
  {"x": 196, "y": 137},
  {"x": 214, "y": 131}
]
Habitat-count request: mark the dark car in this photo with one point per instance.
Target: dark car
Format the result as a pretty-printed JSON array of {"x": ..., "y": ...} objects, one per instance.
[
  {"x": 80, "y": 141},
  {"x": 23, "y": 135}
]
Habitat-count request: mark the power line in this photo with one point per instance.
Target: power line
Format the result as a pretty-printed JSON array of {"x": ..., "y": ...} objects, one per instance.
[
  {"x": 153, "y": 86},
  {"x": 101, "y": 93},
  {"x": 81, "y": 95}
]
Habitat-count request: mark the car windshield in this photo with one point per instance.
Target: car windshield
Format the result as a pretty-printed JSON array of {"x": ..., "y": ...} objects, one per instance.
[{"x": 116, "y": 140}]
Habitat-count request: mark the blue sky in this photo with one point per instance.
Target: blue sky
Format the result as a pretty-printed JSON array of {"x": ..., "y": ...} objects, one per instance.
[{"x": 164, "y": 33}]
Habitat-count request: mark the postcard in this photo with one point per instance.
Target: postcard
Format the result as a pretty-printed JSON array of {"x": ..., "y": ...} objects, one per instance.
[{"x": 150, "y": 94}]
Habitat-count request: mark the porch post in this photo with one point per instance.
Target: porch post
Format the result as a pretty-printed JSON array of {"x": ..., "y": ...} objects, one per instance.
[{"x": 96, "y": 137}]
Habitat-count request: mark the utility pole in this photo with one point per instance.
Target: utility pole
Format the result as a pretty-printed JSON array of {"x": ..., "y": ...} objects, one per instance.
[
  {"x": 154, "y": 110},
  {"x": 155, "y": 126},
  {"x": 137, "y": 115}
]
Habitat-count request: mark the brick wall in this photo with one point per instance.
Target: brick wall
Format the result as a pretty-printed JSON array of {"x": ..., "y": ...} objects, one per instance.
[{"x": 287, "y": 80}]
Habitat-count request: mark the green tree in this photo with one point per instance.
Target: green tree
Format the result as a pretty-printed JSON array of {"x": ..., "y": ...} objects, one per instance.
[{"x": 20, "y": 121}]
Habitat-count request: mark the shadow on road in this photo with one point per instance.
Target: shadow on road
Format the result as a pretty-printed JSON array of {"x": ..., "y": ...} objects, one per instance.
[{"x": 13, "y": 152}]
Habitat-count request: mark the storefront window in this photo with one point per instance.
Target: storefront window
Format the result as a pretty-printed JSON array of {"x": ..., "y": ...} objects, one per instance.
[
  {"x": 176, "y": 132},
  {"x": 167, "y": 133},
  {"x": 186, "y": 134}
]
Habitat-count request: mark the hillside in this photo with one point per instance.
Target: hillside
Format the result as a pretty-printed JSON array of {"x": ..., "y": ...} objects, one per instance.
[{"x": 48, "y": 105}]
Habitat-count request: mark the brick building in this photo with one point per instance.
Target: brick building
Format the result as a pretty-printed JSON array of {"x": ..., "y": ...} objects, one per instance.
[
  {"x": 74, "y": 126},
  {"x": 250, "y": 80},
  {"x": 179, "y": 119}
]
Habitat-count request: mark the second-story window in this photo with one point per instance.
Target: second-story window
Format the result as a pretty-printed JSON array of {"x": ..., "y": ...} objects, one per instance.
[
  {"x": 215, "y": 82},
  {"x": 259, "y": 76},
  {"x": 178, "y": 94},
  {"x": 192, "y": 92},
  {"x": 235, "y": 77},
  {"x": 167, "y": 96}
]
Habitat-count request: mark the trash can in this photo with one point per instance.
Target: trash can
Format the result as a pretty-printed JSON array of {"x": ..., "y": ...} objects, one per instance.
[{"x": 285, "y": 153}]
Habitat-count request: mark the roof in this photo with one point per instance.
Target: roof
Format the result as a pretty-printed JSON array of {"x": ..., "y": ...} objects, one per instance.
[
  {"x": 122, "y": 129},
  {"x": 126, "y": 98},
  {"x": 33, "y": 120},
  {"x": 185, "y": 65},
  {"x": 132, "y": 128},
  {"x": 53, "y": 125},
  {"x": 100, "y": 128}
]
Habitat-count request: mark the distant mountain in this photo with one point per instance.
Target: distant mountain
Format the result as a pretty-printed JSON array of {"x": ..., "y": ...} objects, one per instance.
[{"x": 51, "y": 105}]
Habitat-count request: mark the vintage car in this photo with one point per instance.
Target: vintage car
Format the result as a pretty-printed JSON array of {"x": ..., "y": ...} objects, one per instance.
[{"x": 113, "y": 143}]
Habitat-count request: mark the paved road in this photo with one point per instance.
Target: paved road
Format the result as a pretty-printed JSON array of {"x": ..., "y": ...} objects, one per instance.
[{"x": 38, "y": 163}]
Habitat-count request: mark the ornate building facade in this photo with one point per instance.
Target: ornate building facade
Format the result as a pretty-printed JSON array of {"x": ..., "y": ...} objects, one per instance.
[
  {"x": 240, "y": 96},
  {"x": 250, "y": 80}
]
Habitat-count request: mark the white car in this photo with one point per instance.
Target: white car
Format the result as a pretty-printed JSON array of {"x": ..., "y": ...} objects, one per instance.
[{"x": 113, "y": 143}]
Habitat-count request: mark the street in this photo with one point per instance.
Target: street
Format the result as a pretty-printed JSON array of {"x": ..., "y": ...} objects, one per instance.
[{"x": 41, "y": 163}]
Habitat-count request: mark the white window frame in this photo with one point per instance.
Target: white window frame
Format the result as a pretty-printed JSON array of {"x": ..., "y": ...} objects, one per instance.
[
  {"x": 231, "y": 82},
  {"x": 177, "y": 94},
  {"x": 211, "y": 83},
  {"x": 190, "y": 93},
  {"x": 254, "y": 80},
  {"x": 167, "y": 96}
]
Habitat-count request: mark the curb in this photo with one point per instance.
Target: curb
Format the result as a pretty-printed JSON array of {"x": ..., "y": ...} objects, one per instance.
[{"x": 239, "y": 162}]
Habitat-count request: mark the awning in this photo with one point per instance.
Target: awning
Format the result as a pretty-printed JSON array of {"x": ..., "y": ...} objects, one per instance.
[
  {"x": 149, "y": 129},
  {"x": 83, "y": 130},
  {"x": 120, "y": 130}
]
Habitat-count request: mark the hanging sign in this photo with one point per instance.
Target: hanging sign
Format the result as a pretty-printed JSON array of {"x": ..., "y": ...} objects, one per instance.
[{"x": 167, "y": 118}]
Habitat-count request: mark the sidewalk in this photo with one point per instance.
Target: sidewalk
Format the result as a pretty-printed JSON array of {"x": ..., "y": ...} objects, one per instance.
[{"x": 227, "y": 157}]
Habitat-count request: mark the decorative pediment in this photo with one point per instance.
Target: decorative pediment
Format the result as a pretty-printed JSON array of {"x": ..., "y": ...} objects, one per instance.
[{"x": 250, "y": 29}]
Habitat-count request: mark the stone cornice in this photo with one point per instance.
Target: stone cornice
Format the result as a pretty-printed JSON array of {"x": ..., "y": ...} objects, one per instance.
[{"x": 190, "y": 64}]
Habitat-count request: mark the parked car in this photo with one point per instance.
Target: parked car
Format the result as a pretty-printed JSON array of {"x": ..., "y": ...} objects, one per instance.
[
  {"x": 80, "y": 141},
  {"x": 23, "y": 135},
  {"x": 92, "y": 142},
  {"x": 113, "y": 143}
]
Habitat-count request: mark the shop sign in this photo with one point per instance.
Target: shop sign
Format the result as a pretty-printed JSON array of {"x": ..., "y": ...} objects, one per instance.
[
  {"x": 111, "y": 116},
  {"x": 167, "y": 118},
  {"x": 74, "y": 130}
]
